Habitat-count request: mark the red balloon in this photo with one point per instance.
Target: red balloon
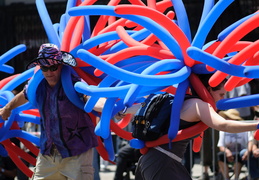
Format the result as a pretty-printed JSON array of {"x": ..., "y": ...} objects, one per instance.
[
  {"x": 30, "y": 146},
  {"x": 197, "y": 143},
  {"x": 15, "y": 154},
  {"x": 4, "y": 81},
  {"x": 125, "y": 121},
  {"x": 256, "y": 135},
  {"x": 101, "y": 149},
  {"x": 244, "y": 54},
  {"x": 120, "y": 132},
  {"x": 182, "y": 134},
  {"x": 135, "y": 51},
  {"x": 164, "y": 5},
  {"x": 77, "y": 34},
  {"x": 237, "y": 34},
  {"x": 34, "y": 112},
  {"x": 201, "y": 90},
  {"x": 164, "y": 21},
  {"x": 88, "y": 78}
]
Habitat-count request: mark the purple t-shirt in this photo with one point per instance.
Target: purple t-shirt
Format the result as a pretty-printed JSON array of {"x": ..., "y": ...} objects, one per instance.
[{"x": 62, "y": 123}]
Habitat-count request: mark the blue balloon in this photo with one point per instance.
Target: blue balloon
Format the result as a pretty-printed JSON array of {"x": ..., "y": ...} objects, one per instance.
[
  {"x": 87, "y": 29},
  {"x": 101, "y": 92},
  {"x": 21, "y": 134},
  {"x": 12, "y": 53},
  {"x": 238, "y": 102},
  {"x": 137, "y": 144},
  {"x": 251, "y": 71},
  {"x": 118, "y": 92},
  {"x": 182, "y": 18},
  {"x": 103, "y": 129},
  {"x": 208, "y": 5},
  {"x": 62, "y": 26},
  {"x": 25, "y": 106},
  {"x": 106, "y": 82},
  {"x": 33, "y": 85},
  {"x": 46, "y": 21},
  {"x": 6, "y": 126},
  {"x": 149, "y": 24},
  {"x": 132, "y": 95},
  {"x": 111, "y": 81},
  {"x": 176, "y": 109},
  {"x": 89, "y": 105},
  {"x": 137, "y": 35},
  {"x": 146, "y": 80},
  {"x": 136, "y": 59},
  {"x": 108, "y": 92},
  {"x": 201, "y": 69},
  {"x": 70, "y": 4},
  {"x": 109, "y": 147},
  {"x": 27, "y": 118},
  {"x": 7, "y": 69},
  {"x": 208, "y": 22},
  {"x": 3, "y": 101},
  {"x": 159, "y": 66},
  {"x": 133, "y": 67},
  {"x": 230, "y": 28},
  {"x": 99, "y": 39},
  {"x": 9, "y": 55},
  {"x": 18, "y": 80},
  {"x": 215, "y": 62},
  {"x": 69, "y": 87},
  {"x": 7, "y": 95}
]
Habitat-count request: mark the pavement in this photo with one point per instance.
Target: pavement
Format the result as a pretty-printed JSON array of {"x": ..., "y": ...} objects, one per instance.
[
  {"x": 197, "y": 172},
  {"x": 109, "y": 173}
]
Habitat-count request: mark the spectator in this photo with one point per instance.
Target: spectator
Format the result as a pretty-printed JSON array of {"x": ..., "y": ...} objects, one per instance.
[
  {"x": 244, "y": 90},
  {"x": 126, "y": 156},
  {"x": 232, "y": 146},
  {"x": 209, "y": 152},
  {"x": 253, "y": 166}
]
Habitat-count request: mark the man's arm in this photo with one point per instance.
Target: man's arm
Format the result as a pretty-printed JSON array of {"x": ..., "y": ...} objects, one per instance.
[
  {"x": 100, "y": 104},
  {"x": 18, "y": 100}
]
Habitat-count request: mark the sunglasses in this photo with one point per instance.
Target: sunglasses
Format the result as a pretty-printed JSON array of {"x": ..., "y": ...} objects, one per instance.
[{"x": 51, "y": 68}]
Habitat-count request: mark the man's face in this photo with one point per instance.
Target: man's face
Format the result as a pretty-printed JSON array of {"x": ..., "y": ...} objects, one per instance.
[{"x": 52, "y": 73}]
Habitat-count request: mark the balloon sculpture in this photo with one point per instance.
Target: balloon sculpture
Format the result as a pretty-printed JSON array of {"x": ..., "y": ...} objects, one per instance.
[{"x": 133, "y": 50}]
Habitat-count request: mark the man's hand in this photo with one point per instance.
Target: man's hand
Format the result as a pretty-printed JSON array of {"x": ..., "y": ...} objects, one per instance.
[
  {"x": 256, "y": 153},
  {"x": 120, "y": 115},
  {"x": 5, "y": 113},
  {"x": 229, "y": 156},
  {"x": 245, "y": 156},
  {"x": 18, "y": 100}
]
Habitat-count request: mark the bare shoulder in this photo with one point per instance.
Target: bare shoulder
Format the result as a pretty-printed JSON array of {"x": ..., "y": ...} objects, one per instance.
[
  {"x": 191, "y": 109},
  {"x": 193, "y": 101}
]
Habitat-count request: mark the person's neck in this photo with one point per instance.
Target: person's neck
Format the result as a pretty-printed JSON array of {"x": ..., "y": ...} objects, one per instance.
[{"x": 52, "y": 85}]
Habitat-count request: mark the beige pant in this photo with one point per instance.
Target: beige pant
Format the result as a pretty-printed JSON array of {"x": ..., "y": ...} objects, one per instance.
[{"x": 71, "y": 168}]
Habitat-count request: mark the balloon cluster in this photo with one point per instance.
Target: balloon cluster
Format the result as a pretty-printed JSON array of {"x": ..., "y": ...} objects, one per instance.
[
  {"x": 134, "y": 50},
  {"x": 12, "y": 128}
]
